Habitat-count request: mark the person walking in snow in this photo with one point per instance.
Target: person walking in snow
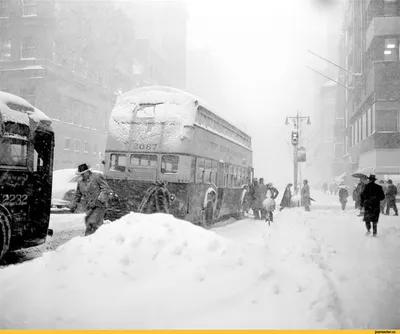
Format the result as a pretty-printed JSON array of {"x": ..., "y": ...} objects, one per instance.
[
  {"x": 286, "y": 201},
  {"x": 390, "y": 196},
  {"x": 343, "y": 194},
  {"x": 305, "y": 195},
  {"x": 269, "y": 204},
  {"x": 370, "y": 201},
  {"x": 357, "y": 194},
  {"x": 325, "y": 187},
  {"x": 94, "y": 189},
  {"x": 383, "y": 202},
  {"x": 260, "y": 192},
  {"x": 253, "y": 199}
]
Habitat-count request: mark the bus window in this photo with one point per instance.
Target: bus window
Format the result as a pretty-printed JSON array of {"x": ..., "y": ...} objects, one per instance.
[
  {"x": 200, "y": 170},
  {"x": 169, "y": 164},
  {"x": 13, "y": 152},
  {"x": 207, "y": 174},
  {"x": 214, "y": 170},
  {"x": 117, "y": 162},
  {"x": 144, "y": 160},
  {"x": 193, "y": 170}
]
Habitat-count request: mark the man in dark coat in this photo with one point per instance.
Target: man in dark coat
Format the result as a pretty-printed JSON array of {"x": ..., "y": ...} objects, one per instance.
[
  {"x": 95, "y": 190},
  {"x": 370, "y": 201},
  {"x": 306, "y": 196},
  {"x": 287, "y": 197},
  {"x": 391, "y": 193}
]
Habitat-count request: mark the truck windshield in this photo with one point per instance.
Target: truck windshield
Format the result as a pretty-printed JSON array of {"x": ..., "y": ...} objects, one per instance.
[{"x": 13, "y": 152}]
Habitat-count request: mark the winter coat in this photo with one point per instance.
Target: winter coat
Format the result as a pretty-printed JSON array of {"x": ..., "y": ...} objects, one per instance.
[
  {"x": 357, "y": 193},
  {"x": 370, "y": 201},
  {"x": 95, "y": 191},
  {"x": 391, "y": 193},
  {"x": 286, "y": 199},
  {"x": 273, "y": 192},
  {"x": 259, "y": 194},
  {"x": 305, "y": 195},
  {"x": 343, "y": 194}
]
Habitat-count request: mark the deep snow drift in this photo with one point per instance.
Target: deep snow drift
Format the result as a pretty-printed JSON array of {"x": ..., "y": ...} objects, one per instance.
[{"x": 307, "y": 270}]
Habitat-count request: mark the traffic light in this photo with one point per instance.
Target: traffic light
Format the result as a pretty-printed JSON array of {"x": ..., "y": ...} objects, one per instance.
[{"x": 295, "y": 137}]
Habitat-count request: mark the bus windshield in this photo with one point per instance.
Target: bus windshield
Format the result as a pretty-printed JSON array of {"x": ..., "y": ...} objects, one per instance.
[{"x": 13, "y": 152}]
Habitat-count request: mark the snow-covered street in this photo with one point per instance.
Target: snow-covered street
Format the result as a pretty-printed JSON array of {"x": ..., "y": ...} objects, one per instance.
[{"x": 307, "y": 270}]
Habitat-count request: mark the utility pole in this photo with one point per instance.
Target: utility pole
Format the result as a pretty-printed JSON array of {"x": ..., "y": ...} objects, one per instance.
[{"x": 296, "y": 120}]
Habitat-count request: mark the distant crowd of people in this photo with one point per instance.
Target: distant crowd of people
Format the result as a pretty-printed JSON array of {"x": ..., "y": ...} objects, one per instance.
[
  {"x": 261, "y": 198},
  {"x": 370, "y": 198}
]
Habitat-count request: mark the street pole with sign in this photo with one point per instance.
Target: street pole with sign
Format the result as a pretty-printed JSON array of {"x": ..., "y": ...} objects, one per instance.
[{"x": 295, "y": 143}]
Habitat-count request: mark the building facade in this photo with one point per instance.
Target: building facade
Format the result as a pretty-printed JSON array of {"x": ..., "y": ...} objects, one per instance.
[
  {"x": 69, "y": 59},
  {"x": 161, "y": 34},
  {"x": 371, "y": 105}
]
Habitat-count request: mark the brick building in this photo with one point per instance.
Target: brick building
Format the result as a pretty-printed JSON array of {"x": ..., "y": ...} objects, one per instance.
[
  {"x": 371, "y": 107},
  {"x": 71, "y": 59}
]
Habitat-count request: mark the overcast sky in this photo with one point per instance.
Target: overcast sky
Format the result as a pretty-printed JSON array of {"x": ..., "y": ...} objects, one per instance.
[{"x": 263, "y": 44}]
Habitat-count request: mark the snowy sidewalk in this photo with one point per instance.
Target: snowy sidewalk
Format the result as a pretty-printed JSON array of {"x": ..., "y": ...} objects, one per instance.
[{"x": 358, "y": 276}]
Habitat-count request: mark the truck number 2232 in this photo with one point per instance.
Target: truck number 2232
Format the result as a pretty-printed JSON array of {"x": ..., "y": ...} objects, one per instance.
[{"x": 12, "y": 199}]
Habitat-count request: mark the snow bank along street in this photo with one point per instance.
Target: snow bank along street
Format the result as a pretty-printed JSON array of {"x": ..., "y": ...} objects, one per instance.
[{"x": 307, "y": 270}]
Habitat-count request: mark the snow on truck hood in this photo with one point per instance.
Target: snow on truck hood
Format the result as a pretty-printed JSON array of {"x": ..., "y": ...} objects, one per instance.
[
  {"x": 125, "y": 274},
  {"x": 20, "y": 117}
]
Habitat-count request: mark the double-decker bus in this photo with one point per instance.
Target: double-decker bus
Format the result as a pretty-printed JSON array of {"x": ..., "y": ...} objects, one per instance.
[
  {"x": 26, "y": 165},
  {"x": 162, "y": 134}
]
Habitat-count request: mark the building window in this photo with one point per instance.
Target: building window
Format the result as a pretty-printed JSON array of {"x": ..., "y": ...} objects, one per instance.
[
  {"x": 372, "y": 124},
  {"x": 5, "y": 8},
  {"x": 57, "y": 52},
  {"x": 86, "y": 147},
  {"x": 364, "y": 126},
  {"x": 391, "y": 51},
  {"x": 77, "y": 120},
  {"x": 77, "y": 146},
  {"x": 67, "y": 144},
  {"x": 69, "y": 110},
  {"x": 390, "y": 8},
  {"x": 81, "y": 66},
  {"x": 28, "y": 48},
  {"x": 29, "y": 7},
  {"x": 5, "y": 51},
  {"x": 386, "y": 120}
]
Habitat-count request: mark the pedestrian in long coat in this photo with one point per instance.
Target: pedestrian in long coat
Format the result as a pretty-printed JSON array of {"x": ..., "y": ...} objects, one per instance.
[
  {"x": 343, "y": 194},
  {"x": 259, "y": 192},
  {"x": 370, "y": 201},
  {"x": 391, "y": 193},
  {"x": 253, "y": 199},
  {"x": 94, "y": 189},
  {"x": 305, "y": 195},
  {"x": 286, "y": 199},
  {"x": 383, "y": 202},
  {"x": 357, "y": 195}
]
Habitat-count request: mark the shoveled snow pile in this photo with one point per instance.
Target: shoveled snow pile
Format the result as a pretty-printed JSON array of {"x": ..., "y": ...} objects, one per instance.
[{"x": 142, "y": 271}]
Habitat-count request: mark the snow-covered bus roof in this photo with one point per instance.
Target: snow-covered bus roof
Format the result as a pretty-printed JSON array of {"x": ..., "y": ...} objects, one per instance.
[
  {"x": 164, "y": 94},
  {"x": 8, "y": 110}
]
